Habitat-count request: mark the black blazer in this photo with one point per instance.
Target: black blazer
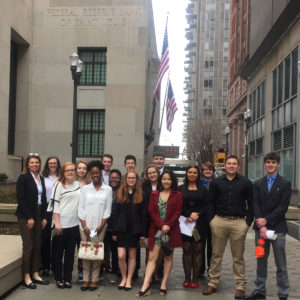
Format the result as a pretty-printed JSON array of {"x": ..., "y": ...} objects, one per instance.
[
  {"x": 137, "y": 214},
  {"x": 272, "y": 205},
  {"x": 27, "y": 196}
]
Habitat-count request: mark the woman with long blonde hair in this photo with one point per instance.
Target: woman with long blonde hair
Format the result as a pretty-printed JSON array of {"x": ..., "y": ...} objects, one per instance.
[
  {"x": 66, "y": 195},
  {"x": 128, "y": 226}
]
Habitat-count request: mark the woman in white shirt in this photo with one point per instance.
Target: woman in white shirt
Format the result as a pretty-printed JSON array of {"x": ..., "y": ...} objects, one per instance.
[
  {"x": 50, "y": 173},
  {"x": 66, "y": 196},
  {"x": 94, "y": 210}
]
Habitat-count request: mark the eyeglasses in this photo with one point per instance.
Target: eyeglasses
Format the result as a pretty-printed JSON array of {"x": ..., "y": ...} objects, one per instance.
[
  {"x": 131, "y": 178},
  {"x": 70, "y": 170},
  {"x": 33, "y": 154}
]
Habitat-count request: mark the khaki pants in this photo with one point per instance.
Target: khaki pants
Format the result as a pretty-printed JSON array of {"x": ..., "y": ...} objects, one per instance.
[
  {"x": 91, "y": 267},
  {"x": 235, "y": 230}
]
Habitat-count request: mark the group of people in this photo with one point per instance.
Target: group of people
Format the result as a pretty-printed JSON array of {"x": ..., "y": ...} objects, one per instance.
[{"x": 63, "y": 205}]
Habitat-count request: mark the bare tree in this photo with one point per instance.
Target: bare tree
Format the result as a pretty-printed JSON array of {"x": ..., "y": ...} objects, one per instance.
[{"x": 203, "y": 140}]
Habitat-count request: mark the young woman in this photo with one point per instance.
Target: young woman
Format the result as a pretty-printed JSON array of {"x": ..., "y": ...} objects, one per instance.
[
  {"x": 94, "y": 210},
  {"x": 66, "y": 197},
  {"x": 194, "y": 209},
  {"x": 31, "y": 213},
  {"x": 128, "y": 226},
  {"x": 82, "y": 173},
  {"x": 164, "y": 208},
  {"x": 151, "y": 175},
  {"x": 50, "y": 173}
]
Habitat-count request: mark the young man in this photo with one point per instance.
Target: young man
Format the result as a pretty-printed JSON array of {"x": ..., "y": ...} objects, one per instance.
[
  {"x": 207, "y": 171},
  {"x": 130, "y": 162},
  {"x": 271, "y": 198},
  {"x": 158, "y": 159},
  {"x": 107, "y": 161},
  {"x": 110, "y": 246},
  {"x": 230, "y": 215}
]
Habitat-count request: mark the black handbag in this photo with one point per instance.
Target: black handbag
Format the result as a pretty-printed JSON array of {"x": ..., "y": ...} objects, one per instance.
[{"x": 165, "y": 245}]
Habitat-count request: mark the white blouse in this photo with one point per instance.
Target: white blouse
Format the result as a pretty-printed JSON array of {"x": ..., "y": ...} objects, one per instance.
[
  {"x": 39, "y": 188},
  {"x": 49, "y": 184},
  {"x": 94, "y": 205},
  {"x": 66, "y": 203}
]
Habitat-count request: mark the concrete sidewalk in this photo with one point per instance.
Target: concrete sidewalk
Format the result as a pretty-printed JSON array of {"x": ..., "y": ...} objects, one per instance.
[{"x": 225, "y": 291}]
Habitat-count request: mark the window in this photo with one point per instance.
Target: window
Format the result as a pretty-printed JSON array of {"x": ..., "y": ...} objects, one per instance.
[
  {"x": 209, "y": 64},
  {"x": 12, "y": 98},
  {"x": 208, "y": 83},
  {"x": 284, "y": 113},
  {"x": 94, "y": 71},
  {"x": 91, "y": 132},
  {"x": 258, "y": 102}
]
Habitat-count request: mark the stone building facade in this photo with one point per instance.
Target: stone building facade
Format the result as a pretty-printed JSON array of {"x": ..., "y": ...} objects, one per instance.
[
  {"x": 115, "y": 39},
  {"x": 272, "y": 72},
  {"x": 237, "y": 87}
]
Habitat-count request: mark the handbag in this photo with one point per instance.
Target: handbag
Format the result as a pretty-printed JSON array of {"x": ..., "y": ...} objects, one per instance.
[
  {"x": 91, "y": 251},
  {"x": 165, "y": 245}
]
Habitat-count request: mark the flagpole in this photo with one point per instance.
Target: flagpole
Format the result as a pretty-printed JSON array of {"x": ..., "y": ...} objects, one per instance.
[{"x": 166, "y": 95}]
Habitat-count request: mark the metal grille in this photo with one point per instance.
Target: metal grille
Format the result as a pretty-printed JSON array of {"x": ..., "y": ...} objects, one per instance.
[
  {"x": 294, "y": 71},
  {"x": 252, "y": 148},
  {"x": 277, "y": 140},
  {"x": 288, "y": 137},
  {"x": 91, "y": 132},
  {"x": 95, "y": 63},
  {"x": 280, "y": 83},
  {"x": 263, "y": 100},
  {"x": 274, "y": 88},
  {"x": 287, "y": 78},
  {"x": 259, "y": 146}
]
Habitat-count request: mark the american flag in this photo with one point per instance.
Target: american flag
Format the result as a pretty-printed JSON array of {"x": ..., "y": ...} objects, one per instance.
[
  {"x": 171, "y": 107},
  {"x": 164, "y": 65}
]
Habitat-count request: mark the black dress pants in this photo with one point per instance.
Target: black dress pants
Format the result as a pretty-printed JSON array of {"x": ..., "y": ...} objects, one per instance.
[
  {"x": 46, "y": 243},
  {"x": 63, "y": 250}
]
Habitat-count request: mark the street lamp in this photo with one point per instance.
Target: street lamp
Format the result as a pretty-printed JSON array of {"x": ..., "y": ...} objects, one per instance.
[
  {"x": 76, "y": 66},
  {"x": 247, "y": 119},
  {"x": 227, "y": 131}
]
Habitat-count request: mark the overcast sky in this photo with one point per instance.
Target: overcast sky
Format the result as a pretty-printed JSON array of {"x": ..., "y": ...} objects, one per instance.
[{"x": 177, "y": 42}]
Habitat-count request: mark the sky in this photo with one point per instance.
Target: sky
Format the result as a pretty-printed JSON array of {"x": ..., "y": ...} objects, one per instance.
[{"x": 175, "y": 9}]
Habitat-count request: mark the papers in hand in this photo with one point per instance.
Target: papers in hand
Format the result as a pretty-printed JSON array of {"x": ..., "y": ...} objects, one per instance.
[
  {"x": 93, "y": 233},
  {"x": 186, "y": 229},
  {"x": 271, "y": 235}
]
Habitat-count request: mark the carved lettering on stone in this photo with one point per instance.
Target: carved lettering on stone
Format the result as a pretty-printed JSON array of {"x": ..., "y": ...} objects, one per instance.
[{"x": 92, "y": 16}]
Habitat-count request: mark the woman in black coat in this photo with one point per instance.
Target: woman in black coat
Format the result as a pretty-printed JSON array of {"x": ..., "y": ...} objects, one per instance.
[
  {"x": 194, "y": 209},
  {"x": 128, "y": 214},
  {"x": 31, "y": 213}
]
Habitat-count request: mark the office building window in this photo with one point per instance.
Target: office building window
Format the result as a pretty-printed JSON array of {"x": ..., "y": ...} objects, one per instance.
[
  {"x": 91, "y": 132},
  {"x": 208, "y": 83},
  {"x": 284, "y": 113},
  {"x": 256, "y": 132},
  {"x": 12, "y": 99},
  {"x": 95, "y": 63}
]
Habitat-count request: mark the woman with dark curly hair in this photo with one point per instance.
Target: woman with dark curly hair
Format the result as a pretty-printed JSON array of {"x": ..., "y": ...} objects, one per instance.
[
  {"x": 164, "y": 208},
  {"x": 194, "y": 209}
]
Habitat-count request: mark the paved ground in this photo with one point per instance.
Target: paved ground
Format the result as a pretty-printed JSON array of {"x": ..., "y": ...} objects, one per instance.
[{"x": 175, "y": 290}]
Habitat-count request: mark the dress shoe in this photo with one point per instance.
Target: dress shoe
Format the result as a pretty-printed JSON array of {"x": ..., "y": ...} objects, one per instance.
[
  {"x": 30, "y": 285},
  {"x": 255, "y": 296},
  {"x": 187, "y": 284},
  {"x": 239, "y": 294},
  {"x": 146, "y": 292},
  {"x": 194, "y": 285},
  {"x": 93, "y": 286},
  {"x": 84, "y": 286},
  {"x": 42, "y": 282},
  {"x": 209, "y": 290}
]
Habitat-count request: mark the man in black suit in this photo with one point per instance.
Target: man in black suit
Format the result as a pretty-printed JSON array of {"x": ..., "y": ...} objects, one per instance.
[{"x": 271, "y": 198}]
